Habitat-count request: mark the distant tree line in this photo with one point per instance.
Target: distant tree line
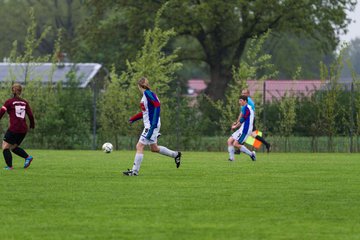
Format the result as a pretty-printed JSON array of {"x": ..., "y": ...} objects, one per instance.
[
  {"x": 213, "y": 35},
  {"x": 64, "y": 114}
]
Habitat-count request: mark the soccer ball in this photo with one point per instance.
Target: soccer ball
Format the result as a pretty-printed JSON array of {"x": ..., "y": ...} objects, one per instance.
[{"x": 107, "y": 147}]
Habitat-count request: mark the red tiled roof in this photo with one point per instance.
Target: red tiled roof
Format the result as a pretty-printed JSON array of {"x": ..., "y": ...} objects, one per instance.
[
  {"x": 275, "y": 89},
  {"x": 196, "y": 86}
]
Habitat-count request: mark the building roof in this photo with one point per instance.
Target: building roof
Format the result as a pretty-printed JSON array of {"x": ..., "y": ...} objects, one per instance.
[
  {"x": 196, "y": 86},
  {"x": 276, "y": 89},
  {"x": 47, "y": 72}
]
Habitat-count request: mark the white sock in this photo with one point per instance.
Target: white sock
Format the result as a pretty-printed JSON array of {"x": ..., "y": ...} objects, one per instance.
[
  {"x": 231, "y": 151},
  {"x": 167, "y": 152},
  {"x": 245, "y": 150},
  {"x": 137, "y": 162}
]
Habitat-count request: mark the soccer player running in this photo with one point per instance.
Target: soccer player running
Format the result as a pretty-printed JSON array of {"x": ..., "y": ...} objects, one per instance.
[
  {"x": 238, "y": 138},
  {"x": 17, "y": 108},
  {"x": 246, "y": 92},
  {"x": 150, "y": 113}
]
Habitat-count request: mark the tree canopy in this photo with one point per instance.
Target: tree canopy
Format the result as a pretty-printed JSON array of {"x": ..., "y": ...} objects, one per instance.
[
  {"x": 66, "y": 15},
  {"x": 224, "y": 28},
  {"x": 352, "y": 59},
  {"x": 218, "y": 30},
  {"x": 212, "y": 34}
]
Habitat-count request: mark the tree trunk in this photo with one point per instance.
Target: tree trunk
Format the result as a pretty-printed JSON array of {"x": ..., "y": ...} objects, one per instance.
[
  {"x": 221, "y": 68},
  {"x": 220, "y": 77}
]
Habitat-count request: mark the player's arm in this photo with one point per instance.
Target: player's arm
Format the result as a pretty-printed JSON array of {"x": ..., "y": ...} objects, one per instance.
[
  {"x": 245, "y": 114},
  {"x": 152, "y": 99},
  {"x": 4, "y": 109},
  {"x": 239, "y": 117},
  {"x": 237, "y": 123},
  {"x": 156, "y": 104},
  {"x": 136, "y": 117},
  {"x": 30, "y": 116},
  {"x": 156, "y": 115}
]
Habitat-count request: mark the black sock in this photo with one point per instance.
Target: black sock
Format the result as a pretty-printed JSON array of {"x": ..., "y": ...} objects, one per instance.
[
  {"x": 262, "y": 140},
  {"x": 7, "y": 157},
  {"x": 20, "y": 152}
]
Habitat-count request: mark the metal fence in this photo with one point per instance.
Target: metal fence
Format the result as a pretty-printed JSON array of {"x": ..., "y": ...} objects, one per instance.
[{"x": 272, "y": 91}]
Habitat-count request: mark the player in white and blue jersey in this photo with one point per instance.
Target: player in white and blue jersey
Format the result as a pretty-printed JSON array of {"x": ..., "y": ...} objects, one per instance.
[
  {"x": 150, "y": 113},
  {"x": 238, "y": 138},
  {"x": 246, "y": 92}
]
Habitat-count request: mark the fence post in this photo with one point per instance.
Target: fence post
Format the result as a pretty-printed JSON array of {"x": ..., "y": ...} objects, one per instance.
[
  {"x": 94, "y": 114},
  {"x": 352, "y": 112},
  {"x": 178, "y": 114},
  {"x": 264, "y": 102}
]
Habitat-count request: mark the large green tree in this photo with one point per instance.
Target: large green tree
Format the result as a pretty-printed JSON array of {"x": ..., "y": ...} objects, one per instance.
[
  {"x": 113, "y": 30},
  {"x": 65, "y": 15},
  {"x": 331, "y": 107},
  {"x": 291, "y": 52},
  {"x": 218, "y": 30},
  {"x": 352, "y": 57}
]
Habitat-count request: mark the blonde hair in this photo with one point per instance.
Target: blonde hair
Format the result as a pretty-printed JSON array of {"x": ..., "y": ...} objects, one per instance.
[
  {"x": 16, "y": 89},
  {"x": 246, "y": 91},
  {"x": 144, "y": 83}
]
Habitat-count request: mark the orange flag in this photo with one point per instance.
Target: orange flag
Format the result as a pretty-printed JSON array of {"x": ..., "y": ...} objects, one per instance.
[{"x": 253, "y": 141}]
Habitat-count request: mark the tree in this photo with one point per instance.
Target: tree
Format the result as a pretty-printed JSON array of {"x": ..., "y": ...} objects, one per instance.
[
  {"x": 255, "y": 65},
  {"x": 352, "y": 55},
  {"x": 62, "y": 114},
  {"x": 287, "y": 112},
  {"x": 222, "y": 29},
  {"x": 66, "y": 15},
  {"x": 357, "y": 114},
  {"x": 287, "y": 117},
  {"x": 354, "y": 101},
  {"x": 290, "y": 52},
  {"x": 113, "y": 30},
  {"x": 330, "y": 105},
  {"x": 119, "y": 101},
  {"x": 31, "y": 43}
]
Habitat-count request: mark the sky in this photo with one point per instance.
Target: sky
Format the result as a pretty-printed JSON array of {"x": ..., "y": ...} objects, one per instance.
[{"x": 354, "y": 27}]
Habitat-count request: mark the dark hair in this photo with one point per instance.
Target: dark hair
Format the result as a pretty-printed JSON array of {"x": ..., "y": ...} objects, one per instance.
[{"x": 243, "y": 97}]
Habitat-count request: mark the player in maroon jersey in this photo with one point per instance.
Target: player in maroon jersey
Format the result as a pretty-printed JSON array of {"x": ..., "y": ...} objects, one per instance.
[{"x": 17, "y": 108}]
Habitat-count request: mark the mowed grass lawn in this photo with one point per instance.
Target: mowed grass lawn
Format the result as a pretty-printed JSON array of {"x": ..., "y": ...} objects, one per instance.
[{"x": 83, "y": 195}]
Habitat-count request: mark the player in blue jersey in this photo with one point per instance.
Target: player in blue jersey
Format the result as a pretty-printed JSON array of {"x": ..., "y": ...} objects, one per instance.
[
  {"x": 150, "y": 113},
  {"x": 238, "y": 138},
  {"x": 246, "y": 92}
]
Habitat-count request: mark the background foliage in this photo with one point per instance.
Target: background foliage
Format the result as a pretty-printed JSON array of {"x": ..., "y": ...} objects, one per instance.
[{"x": 133, "y": 41}]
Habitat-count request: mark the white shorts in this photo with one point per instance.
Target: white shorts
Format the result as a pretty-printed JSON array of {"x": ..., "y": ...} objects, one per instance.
[
  {"x": 240, "y": 136},
  {"x": 153, "y": 138}
]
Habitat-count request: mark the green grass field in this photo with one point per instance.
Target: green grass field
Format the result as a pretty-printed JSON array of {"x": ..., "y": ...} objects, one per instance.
[{"x": 83, "y": 195}]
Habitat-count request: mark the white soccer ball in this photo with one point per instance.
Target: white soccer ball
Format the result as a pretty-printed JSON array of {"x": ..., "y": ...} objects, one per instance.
[{"x": 107, "y": 147}]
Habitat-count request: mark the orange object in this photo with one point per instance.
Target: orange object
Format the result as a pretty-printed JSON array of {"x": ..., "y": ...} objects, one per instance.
[{"x": 253, "y": 141}]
